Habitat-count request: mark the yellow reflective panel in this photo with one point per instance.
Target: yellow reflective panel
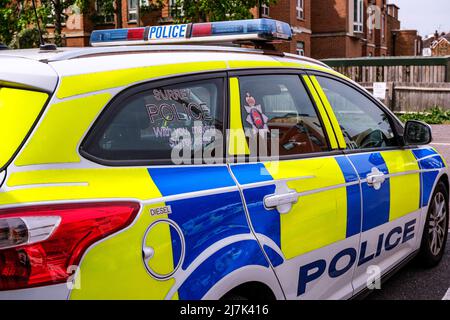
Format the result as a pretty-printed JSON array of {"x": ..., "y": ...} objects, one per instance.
[
  {"x": 405, "y": 189},
  {"x": 330, "y": 112},
  {"x": 59, "y": 134},
  {"x": 317, "y": 219},
  {"x": 114, "y": 268},
  {"x": 19, "y": 109},
  {"x": 79, "y": 184},
  {"x": 323, "y": 113},
  {"x": 237, "y": 143},
  {"x": 91, "y": 82}
]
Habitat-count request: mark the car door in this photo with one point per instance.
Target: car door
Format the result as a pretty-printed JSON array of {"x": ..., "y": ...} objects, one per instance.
[
  {"x": 301, "y": 194},
  {"x": 193, "y": 230},
  {"x": 389, "y": 175}
]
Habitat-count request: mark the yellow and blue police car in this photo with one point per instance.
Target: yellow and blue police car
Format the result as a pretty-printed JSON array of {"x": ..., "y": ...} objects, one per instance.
[{"x": 154, "y": 165}]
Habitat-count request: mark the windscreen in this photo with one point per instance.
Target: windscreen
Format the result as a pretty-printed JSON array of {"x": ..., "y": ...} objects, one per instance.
[{"x": 19, "y": 109}]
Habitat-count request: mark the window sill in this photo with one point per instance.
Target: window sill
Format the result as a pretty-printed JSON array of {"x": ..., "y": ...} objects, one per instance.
[{"x": 111, "y": 23}]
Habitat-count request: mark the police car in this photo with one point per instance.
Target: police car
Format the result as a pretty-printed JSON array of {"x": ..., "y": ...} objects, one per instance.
[{"x": 154, "y": 165}]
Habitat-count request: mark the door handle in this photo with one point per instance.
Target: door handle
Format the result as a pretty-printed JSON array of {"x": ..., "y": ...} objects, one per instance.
[
  {"x": 376, "y": 178},
  {"x": 282, "y": 202}
]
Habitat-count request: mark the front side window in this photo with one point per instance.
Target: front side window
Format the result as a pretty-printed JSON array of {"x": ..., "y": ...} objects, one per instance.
[
  {"x": 363, "y": 123},
  {"x": 149, "y": 125},
  {"x": 278, "y": 109}
]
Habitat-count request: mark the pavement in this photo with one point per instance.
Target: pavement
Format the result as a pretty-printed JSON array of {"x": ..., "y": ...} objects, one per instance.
[{"x": 414, "y": 282}]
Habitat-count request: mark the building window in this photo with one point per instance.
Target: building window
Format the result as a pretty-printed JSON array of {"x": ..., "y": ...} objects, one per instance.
[
  {"x": 132, "y": 10},
  {"x": 104, "y": 14},
  {"x": 265, "y": 10},
  {"x": 300, "y": 9},
  {"x": 300, "y": 48},
  {"x": 176, "y": 8},
  {"x": 358, "y": 15},
  {"x": 383, "y": 26}
]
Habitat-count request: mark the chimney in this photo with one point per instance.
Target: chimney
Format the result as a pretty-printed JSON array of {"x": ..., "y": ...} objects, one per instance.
[{"x": 436, "y": 35}]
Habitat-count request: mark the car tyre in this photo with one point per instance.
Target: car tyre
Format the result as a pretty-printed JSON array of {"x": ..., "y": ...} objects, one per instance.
[{"x": 435, "y": 232}]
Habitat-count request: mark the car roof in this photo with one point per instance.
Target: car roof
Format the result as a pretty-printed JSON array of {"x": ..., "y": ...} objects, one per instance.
[
  {"x": 70, "y": 53},
  {"x": 71, "y": 61}
]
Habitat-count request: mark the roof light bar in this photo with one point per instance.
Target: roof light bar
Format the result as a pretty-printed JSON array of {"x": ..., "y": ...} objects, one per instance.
[{"x": 266, "y": 30}]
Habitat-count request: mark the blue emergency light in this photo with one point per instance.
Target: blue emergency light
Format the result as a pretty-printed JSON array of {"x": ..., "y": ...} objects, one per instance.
[{"x": 267, "y": 30}]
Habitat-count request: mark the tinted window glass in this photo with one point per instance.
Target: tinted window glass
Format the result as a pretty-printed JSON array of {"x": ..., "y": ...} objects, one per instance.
[
  {"x": 363, "y": 123},
  {"x": 278, "y": 106},
  {"x": 144, "y": 125}
]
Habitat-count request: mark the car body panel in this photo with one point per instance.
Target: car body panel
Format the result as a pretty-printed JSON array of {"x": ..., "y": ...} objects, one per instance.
[{"x": 211, "y": 231}]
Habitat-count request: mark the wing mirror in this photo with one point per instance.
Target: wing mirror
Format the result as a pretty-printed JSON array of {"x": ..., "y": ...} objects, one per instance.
[{"x": 417, "y": 133}]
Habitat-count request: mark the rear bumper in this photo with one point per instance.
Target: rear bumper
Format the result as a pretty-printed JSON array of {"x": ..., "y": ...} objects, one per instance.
[{"x": 55, "y": 292}]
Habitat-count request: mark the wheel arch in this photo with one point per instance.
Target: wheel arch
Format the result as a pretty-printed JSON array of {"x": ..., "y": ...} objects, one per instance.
[
  {"x": 246, "y": 279},
  {"x": 444, "y": 178}
]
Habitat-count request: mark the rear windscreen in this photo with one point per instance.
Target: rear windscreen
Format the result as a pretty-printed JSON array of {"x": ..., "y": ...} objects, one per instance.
[{"x": 19, "y": 109}]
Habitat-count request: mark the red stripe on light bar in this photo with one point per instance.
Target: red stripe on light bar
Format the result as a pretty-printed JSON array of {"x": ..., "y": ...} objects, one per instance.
[
  {"x": 136, "y": 34},
  {"x": 201, "y": 29}
]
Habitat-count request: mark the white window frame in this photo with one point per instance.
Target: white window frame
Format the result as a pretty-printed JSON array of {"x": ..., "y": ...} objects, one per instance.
[
  {"x": 265, "y": 10},
  {"x": 358, "y": 16},
  {"x": 300, "y": 9},
  {"x": 132, "y": 11},
  {"x": 99, "y": 13},
  {"x": 172, "y": 4},
  {"x": 300, "y": 51}
]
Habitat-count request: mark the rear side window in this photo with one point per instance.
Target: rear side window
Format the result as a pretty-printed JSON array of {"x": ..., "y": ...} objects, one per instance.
[
  {"x": 19, "y": 110},
  {"x": 279, "y": 107},
  {"x": 148, "y": 125}
]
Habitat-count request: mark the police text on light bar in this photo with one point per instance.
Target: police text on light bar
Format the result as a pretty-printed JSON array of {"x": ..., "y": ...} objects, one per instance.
[{"x": 224, "y": 31}]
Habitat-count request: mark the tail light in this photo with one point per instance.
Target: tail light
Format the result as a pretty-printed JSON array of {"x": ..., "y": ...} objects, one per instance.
[{"x": 40, "y": 244}]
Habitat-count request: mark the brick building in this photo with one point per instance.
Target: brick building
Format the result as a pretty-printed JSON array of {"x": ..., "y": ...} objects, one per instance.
[
  {"x": 322, "y": 29},
  {"x": 406, "y": 43},
  {"x": 393, "y": 23},
  {"x": 437, "y": 44},
  {"x": 341, "y": 28},
  {"x": 78, "y": 27},
  {"x": 401, "y": 42},
  {"x": 298, "y": 14}
]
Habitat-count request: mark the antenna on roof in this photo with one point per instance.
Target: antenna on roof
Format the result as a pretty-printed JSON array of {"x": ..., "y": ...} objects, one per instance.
[{"x": 43, "y": 45}]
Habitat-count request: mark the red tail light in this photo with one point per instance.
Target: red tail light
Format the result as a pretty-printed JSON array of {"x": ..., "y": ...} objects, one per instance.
[{"x": 49, "y": 261}]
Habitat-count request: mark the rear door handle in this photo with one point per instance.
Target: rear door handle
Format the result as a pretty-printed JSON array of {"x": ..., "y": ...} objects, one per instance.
[{"x": 376, "y": 178}]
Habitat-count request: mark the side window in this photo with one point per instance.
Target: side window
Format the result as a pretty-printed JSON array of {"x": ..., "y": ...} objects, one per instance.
[
  {"x": 143, "y": 126},
  {"x": 279, "y": 107},
  {"x": 363, "y": 123}
]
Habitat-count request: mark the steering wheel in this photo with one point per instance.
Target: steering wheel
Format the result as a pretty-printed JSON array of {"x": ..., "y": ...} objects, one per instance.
[{"x": 374, "y": 139}]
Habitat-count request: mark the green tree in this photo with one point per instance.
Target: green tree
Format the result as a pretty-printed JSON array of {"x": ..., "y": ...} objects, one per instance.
[
  {"x": 57, "y": 15},
  {"x": 215, "y": 10},
  {"x": 110, "y": 7},
  {"x": 18, "y": 24}
]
